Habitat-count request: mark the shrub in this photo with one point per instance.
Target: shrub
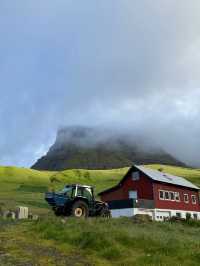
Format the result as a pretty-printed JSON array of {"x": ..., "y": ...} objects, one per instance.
[
  {"x": 87, "y": 175},
  {"x": 192, "y": 222},
  {"x": 176, "y": 219},
  {"x": 142, "y": 218}
]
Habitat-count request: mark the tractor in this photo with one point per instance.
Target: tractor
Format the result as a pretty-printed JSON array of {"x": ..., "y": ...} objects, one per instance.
[{"x": 78, "y": 201}]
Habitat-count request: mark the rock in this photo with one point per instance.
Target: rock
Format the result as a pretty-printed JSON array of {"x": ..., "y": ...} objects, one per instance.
[
  {"x": 13, "y": 215},
  {"x": 30, "y": 216},
  {"x": 35, "y": 217},
  {"x": 6, "y": 214},
  {"x": 63, "y": 221},
  {"x": 9, "y": 214}
]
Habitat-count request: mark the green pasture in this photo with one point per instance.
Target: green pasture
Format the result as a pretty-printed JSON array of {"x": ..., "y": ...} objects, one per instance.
[{"x": 97, "y": 242}]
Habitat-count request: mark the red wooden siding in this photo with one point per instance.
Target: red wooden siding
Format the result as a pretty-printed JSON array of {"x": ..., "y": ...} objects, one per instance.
[
  {"x": 174, "y": 205},
  {"x": 144, "y": 187}
]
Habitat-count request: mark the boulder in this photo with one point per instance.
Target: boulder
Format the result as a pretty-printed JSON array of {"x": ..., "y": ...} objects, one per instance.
[{"x": 9, "y": 214}]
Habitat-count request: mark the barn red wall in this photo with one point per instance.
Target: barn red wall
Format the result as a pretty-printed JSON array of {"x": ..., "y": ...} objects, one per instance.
[
  {"x": 143, "y": 186},
  {"x": 167, "y": 204}
]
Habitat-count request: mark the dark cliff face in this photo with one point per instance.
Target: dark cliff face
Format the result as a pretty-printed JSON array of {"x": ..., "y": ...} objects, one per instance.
[{"x": 87, "y": 148}]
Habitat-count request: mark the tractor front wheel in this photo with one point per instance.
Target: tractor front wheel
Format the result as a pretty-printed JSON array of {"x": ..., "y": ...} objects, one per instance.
[{"x": 80, "y": 209}]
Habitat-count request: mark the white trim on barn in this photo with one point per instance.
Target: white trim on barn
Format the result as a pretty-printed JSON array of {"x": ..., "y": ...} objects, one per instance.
[{"x": 156, "y": 214}]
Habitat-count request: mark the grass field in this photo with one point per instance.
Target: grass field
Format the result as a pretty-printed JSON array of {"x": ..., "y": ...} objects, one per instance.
[
  {"x": 98, "y": 242},
  {"x": 87, "y": 242}
]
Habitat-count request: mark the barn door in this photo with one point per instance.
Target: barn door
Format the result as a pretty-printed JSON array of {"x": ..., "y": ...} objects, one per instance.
[{"x": 133, "y": 194}]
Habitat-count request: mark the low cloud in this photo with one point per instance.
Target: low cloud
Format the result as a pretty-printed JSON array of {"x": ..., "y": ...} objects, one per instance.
[{"x": 126, "y": 66}]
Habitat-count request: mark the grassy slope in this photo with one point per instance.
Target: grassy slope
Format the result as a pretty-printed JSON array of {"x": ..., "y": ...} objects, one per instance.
[{"x": 20, "y": 186}]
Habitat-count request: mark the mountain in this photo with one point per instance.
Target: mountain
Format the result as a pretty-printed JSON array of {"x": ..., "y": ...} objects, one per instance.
[{"x": 89, "y": 148}]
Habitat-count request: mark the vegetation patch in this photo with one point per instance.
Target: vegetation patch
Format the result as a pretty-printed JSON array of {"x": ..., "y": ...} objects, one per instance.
[
  {"x": 122, "y": 242},
  {"x": 30, "y": 188}
]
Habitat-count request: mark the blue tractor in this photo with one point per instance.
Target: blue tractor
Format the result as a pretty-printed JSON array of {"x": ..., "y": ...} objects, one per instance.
[{"x": 78, "y": 201}]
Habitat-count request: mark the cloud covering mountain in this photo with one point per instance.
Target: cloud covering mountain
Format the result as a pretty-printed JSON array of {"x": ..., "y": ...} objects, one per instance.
[{"x": 130, "y": 66}]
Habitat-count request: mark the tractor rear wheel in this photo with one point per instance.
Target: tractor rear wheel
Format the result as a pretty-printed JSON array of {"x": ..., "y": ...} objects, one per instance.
[{"x": 80, "y": 209}]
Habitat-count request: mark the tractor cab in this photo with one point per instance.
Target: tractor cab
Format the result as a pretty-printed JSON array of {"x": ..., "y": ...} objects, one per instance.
[{"x": 74, "y": 191}]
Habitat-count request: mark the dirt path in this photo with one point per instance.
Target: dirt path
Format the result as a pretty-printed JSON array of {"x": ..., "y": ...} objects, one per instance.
[{"x": 18, "y": 248}]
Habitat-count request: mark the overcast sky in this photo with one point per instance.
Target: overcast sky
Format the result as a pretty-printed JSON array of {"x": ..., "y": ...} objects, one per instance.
[{"x": 132, "y": 65}]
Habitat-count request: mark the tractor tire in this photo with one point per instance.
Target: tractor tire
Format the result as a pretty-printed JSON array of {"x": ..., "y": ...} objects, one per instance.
[{"x": 80, "y": 209}]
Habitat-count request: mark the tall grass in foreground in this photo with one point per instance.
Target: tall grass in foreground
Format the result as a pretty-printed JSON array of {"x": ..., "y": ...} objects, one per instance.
[{"x": 122, "y": 242}]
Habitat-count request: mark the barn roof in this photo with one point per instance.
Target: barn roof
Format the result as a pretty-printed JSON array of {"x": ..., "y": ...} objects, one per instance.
[
  {"x": 156, "y": 176},
  {"x": 166, "y": 178}
]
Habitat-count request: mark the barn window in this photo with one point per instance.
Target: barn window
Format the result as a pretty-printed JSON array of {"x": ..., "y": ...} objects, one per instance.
[
  {"x": 186, "y": 198},
  {"x": 177, "y": 196},
  {"x": 195, "y": 216},
  {"x": 178, "y": 214},
  {"x": 133, "y": 194},
  {"x": 166, "y": 195},
  {"x": 135, "y": 176},
  {"x": 171, "y": 195},
  {"x": 161, "y": 195},
  {"x": 194, "y": 199}
]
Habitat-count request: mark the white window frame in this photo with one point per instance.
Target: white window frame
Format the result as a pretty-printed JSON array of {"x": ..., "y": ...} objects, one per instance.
[
  {"x": 186, "y": 201},
  {"x": 166, "y": 191},
  {"x": 194, "y": 197},
  {"x": 172, "y": 192},
  {"x": 163, "y": 195},
  {"x": 177, "y": 194}
]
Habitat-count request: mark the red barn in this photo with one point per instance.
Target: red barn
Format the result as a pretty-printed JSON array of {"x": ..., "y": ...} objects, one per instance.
[{"x": 147, "y": 191}]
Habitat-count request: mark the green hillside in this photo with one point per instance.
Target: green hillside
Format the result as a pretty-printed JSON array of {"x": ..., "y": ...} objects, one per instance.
[{"x": 20, "y": 186}]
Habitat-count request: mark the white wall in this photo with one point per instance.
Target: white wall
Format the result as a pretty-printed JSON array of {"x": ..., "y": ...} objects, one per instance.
[
  {"x": 156, "y": 214},
  {"x": 122, "y": 213}
]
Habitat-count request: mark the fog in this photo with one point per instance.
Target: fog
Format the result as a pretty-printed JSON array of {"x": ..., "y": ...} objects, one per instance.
[{"x": 129, "y": 67}]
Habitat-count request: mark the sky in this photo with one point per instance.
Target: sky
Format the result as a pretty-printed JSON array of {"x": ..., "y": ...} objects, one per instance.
[{"x": 128, "y": 65}]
